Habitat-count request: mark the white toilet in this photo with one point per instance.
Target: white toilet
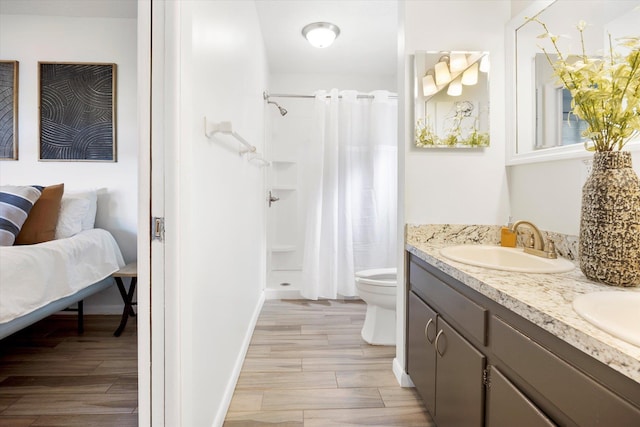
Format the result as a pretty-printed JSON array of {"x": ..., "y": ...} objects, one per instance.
[{"x": 377, "y": 288}]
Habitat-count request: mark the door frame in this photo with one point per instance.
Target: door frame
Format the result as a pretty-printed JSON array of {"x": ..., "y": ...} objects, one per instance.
[{"x": 159, "y": 381}]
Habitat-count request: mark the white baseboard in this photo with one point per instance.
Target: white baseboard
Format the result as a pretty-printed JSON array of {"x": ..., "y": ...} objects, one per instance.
[
  {"x": 231, "y": 385},
  {"x": 401, "y": 376}
]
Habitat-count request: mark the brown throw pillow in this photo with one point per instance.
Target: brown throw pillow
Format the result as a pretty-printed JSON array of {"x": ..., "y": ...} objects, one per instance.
[{"x": 40, "y": 225}]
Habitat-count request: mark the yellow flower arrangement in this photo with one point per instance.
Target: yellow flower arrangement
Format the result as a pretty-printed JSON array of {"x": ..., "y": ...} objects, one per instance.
[{"x": 605, "y": 90}]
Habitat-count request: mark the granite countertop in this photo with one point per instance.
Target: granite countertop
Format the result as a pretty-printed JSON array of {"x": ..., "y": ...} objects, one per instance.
[{"x": 544, "y": 299}]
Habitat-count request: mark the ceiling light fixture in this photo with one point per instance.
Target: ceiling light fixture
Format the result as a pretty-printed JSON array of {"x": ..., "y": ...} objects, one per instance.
[{"x": 321, "y": 34}]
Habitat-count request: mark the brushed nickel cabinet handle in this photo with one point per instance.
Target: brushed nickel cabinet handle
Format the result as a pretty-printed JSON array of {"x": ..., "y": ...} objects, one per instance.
[
  {"x": 426, "y": 331},
  {"x": 440, "y": 333}
]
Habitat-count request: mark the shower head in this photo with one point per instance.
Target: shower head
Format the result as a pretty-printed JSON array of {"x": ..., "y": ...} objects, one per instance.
[{"x": 282, "y": 110}]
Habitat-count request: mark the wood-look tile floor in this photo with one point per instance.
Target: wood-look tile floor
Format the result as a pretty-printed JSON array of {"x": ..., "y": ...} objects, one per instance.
[
  {"x": 307, "y": 365},
  {"x": 51, "y": 376}
]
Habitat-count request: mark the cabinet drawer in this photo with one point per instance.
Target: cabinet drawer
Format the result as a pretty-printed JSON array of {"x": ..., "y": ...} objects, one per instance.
[
  {"x": 450, "y": 303},
  {"x": 583, "y": 400}
]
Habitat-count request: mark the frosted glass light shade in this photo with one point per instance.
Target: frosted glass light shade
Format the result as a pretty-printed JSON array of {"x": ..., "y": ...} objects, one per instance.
[
  {"x": 485, "y": 65},
  {"x": 457, "y": 61},
  {"x": 321, "y": 34},
  {"x": 455, "y": 87},
  {"x": 470, "y": 75},
  {"x": 442, "y": 73},
  {"x": 428, "y": 85}
]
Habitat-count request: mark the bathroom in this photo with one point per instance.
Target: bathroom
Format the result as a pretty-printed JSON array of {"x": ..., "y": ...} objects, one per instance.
[{"x": 214, "y": 200}]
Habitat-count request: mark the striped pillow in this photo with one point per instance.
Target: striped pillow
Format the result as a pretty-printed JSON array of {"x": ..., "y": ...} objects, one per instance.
[{"x": 15, "y": 204}]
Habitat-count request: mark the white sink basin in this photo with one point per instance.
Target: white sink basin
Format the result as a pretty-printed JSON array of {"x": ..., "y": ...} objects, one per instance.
[
  {"x": 615, "y": 312},
  {"x": 509, "y": 259}
]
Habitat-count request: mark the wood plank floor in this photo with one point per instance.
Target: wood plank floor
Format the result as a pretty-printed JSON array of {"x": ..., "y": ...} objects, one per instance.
[
  {"x": 307, "y": 365},
  {"x": 51, "y": 376}
]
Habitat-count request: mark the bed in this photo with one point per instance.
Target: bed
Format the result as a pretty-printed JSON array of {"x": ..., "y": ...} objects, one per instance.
[{"x": 37, "y": 280}]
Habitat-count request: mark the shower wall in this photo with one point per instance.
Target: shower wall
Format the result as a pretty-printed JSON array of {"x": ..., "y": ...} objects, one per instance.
[{"x": 285, "y": 140}]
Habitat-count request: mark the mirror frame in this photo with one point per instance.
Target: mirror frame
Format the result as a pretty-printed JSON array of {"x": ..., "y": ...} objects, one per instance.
[{"x": 575, "y": 151}]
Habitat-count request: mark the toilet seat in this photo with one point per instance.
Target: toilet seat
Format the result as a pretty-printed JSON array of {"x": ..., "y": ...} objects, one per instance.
[{"x": 386, "y": 277}]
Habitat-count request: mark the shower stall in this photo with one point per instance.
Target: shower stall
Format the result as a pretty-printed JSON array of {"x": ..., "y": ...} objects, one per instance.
[{"x": 331, "y": 190}]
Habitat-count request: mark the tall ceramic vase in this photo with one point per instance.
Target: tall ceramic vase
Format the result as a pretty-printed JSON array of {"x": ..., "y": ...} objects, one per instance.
[{"x": 610, "y": 221}]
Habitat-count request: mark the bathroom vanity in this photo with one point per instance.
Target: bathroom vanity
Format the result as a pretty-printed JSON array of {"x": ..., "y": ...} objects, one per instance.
[{"x": 498, "y": 348}]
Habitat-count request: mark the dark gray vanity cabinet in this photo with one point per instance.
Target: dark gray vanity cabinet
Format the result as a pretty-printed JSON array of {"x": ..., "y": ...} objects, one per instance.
[
  {"x": 476, "y": 363},
  {"x": 446, "y": 368}
]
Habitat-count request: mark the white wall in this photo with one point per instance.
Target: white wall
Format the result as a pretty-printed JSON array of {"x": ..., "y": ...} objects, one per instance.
[
  {"x": 306, "y": 84},
  {"x": 457, "y": 185},
  {"x": 32, "y": 38},
  {"x": 220, "y": 202}
]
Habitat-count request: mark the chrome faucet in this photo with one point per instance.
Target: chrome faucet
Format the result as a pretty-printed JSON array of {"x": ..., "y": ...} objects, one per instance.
[{"x": 539, "y": 247}]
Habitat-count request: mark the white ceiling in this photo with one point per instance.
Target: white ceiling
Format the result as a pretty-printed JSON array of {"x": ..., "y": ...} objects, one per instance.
[{"x": 367, "y": 43}]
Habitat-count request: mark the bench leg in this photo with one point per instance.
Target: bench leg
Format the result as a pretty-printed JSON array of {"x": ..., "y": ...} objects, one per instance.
[
  {"x": 81, "y": 316},
  {"x": 128, "y": 304}
]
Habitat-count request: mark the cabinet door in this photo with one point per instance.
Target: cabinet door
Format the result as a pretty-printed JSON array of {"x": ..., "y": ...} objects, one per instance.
[
  {"x": 459, "y": 386},
  {"x": 507, "y": 406},
  {"x": 421, "y": 356}
]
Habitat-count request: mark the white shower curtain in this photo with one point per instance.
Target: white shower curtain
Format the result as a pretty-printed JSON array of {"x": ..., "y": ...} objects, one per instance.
[{"x": 351, "y": 177}]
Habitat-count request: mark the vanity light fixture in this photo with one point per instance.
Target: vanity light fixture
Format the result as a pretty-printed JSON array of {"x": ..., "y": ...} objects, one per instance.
[
  {"x": 429, "y": 84},
  {"x": 457, "y": 61},
  {"x": 470, "y": 75},
  {"x": 321, "y": 34},
  {"x": 455, "y": 87},
  {"x": 443, "y": 76}
]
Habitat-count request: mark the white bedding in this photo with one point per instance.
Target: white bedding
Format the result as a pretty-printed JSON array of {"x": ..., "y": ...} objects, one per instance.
[{"x": 32, "y": 276}]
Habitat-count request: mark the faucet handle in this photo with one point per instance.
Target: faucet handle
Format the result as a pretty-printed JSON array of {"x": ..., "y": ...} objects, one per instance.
[
  {"x": 551, "y": 249},
  {"x": 530, "y": 241}
]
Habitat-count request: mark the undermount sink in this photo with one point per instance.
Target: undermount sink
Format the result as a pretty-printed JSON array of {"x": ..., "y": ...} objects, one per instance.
[
  {"x": 615, "y": 312},
  {"x": 508, "y": 259}
]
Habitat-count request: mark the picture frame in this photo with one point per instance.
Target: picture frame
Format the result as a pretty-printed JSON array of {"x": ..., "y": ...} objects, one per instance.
[
  {"x": 9, "y": 110},
  {"x": 77, "y": 104}
]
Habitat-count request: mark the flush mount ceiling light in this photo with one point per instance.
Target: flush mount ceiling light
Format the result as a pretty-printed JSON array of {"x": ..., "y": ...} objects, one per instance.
[{"x": 321, "y": 34}]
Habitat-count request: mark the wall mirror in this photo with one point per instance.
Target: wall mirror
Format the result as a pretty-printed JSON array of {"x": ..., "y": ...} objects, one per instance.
[
  {"x": 451, "y": 99},
  {"x": 541, "y": 126}
]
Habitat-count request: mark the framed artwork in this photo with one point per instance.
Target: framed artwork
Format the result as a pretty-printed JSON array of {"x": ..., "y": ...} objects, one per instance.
[
  {"x": 8, "y": 110},
  {"x": 77, "y": 111}
]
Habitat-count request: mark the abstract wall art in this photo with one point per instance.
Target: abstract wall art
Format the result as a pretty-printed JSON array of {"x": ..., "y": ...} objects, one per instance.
[
  {"x": 77, "y": 111},
  {"x": 8, "y": 110}
]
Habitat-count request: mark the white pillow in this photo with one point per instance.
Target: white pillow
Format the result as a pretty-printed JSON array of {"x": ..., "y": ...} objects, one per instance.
[
  {"x": 89, "y": 220},
  {"x": 72, "y": 212}
]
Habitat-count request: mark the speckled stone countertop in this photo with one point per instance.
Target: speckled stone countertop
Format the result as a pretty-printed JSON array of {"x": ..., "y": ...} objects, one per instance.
[{"x": 544, "y": 299}]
